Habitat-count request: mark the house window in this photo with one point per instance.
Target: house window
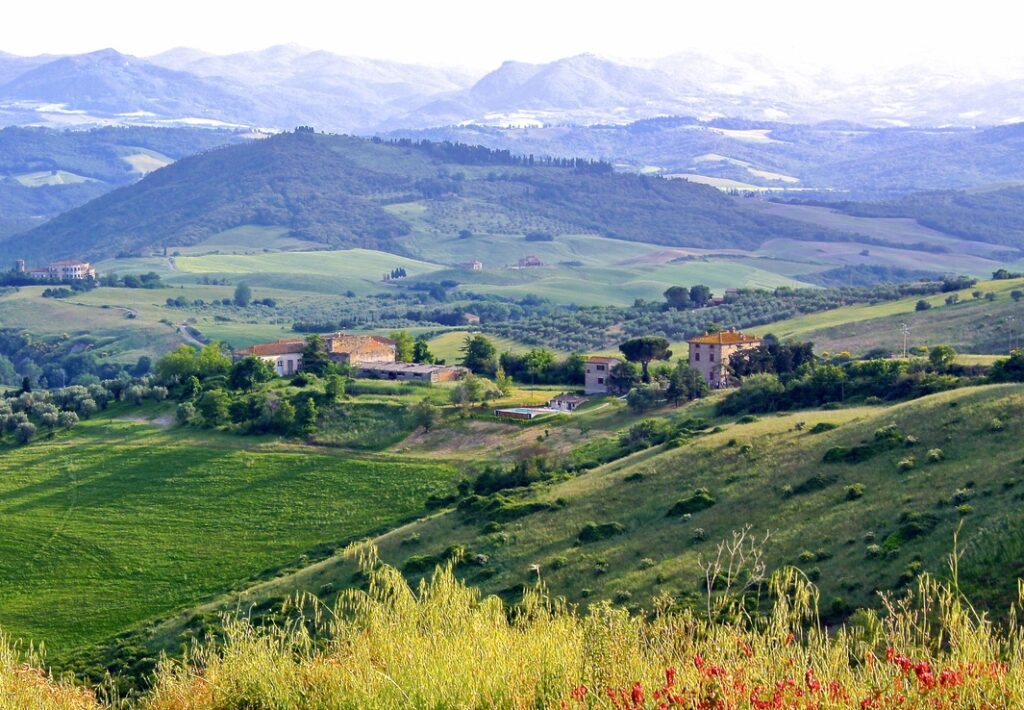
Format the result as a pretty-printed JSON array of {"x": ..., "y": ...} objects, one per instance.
[
  {"x": 696, "y": 357},
  {"x": 600, "y": 368},
  {"x": 711, "y": 357},
  {"x": 600, "y": 380}
]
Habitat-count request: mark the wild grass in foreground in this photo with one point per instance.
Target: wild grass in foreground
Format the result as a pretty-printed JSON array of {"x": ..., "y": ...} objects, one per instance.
[{"x": 443, "y": 646}]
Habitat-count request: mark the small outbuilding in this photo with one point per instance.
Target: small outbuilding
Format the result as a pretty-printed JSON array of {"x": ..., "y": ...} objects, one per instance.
[
  {"x": 410, "y": 371},
  {"x": 567, "y": 402}
]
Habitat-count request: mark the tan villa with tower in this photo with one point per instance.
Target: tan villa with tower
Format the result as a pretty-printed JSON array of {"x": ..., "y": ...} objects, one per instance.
[{"x": 710, "y": 353}]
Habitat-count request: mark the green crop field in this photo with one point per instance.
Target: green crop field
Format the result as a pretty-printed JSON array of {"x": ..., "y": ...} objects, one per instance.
[
  {"x": 123, "y": 520},
  {"x": 357, "y": 269}
]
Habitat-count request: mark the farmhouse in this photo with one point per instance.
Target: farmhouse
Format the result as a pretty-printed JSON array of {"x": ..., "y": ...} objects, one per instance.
[
  {"x": 710, "y": 353},
  {"x": 284, "y": 355},
  {"x": 471, "y": 319},
  {"x": 472, "y": 265},
  {"x": 410, "y": 371},
  {"x": 596, "y": 371},
  {"x": 530, "y": 262},
  {"x": 60, "y": 270},
  {"x": 567, "y": 402}
]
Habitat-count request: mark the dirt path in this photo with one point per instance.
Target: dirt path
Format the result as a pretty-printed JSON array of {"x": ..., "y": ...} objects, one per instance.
[{"x": 185, "y": 331}]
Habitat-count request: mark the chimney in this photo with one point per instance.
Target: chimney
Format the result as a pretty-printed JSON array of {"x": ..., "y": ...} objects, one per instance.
[{"x": 19, "y": 266}]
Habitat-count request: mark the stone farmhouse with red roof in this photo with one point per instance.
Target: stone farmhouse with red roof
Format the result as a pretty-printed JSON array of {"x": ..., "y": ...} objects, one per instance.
[
  {"x": 286, "y": 355},
  {"x": 710, "y": 353}
]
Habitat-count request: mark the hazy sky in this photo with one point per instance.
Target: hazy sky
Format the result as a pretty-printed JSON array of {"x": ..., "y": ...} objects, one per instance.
[{"x": 481, "y": 33}]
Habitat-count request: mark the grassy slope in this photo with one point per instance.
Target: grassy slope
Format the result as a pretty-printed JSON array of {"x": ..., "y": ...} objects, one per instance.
[
  {"x": 83, "y": 314},
  {"x": 973, "y": 325},
  {"x": 603, "y": 270},
  {"x": 120, "y": 521},
  {"x": 288, "y": 277},
  {"x": 447, "y": 346},
  {"x": 748, "y": 488}
]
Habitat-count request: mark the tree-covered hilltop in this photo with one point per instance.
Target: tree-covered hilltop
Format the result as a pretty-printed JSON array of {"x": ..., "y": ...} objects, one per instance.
[
  {"x": 338, "y": 191},
  {"x": 44, "y": 172}
]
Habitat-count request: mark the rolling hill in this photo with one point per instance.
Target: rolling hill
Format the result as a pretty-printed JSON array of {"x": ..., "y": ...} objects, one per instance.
[
  {"x": 346, "y": 192},
  {"x": 989, "y": 215},
  {"x": 860, "y": 161},
  {"x": 44, "y": 172},
  {"x": 624, "y": 531}
]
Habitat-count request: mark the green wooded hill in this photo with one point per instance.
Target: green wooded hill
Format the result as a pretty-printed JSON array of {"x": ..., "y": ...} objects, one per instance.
[
  {"x": 345, "y": 192},
  {"x": 44, "y": 172}
]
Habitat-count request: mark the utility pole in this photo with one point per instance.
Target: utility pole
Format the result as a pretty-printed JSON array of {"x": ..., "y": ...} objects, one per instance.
[{"x": 905, "y": 329}]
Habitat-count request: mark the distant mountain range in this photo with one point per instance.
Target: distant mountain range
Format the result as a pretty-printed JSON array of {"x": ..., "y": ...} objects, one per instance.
[{"x": 285, "y": 86}]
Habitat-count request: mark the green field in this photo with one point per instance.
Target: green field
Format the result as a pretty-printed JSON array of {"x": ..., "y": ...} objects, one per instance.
[
  {"x": 973, "y": 325},
  {"x": 126, "y": 519},
  {"x": 447, "y": 346}
]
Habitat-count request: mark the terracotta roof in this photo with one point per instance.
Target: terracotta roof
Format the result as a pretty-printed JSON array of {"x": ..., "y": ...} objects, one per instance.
[
  {"x": 725, "y": 337},
  {"x": 603, "y": 358},
  {"x": 278, "y": 347},
  {"x": 345, "y": 343}
]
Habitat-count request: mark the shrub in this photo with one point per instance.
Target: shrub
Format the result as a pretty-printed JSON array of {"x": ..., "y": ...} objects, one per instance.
[
  {"x": 622, "y": 596},
  {"x": 822, "y": 427},
  {"x": 935, "y": 455},
  {"x": 873, "y": 551},
  {"x": 748, "y": 419},
  {"x": 906, "y": 464},
  {"x": 699, "y": 534},
  {"x": 855, "y": 491},
  {"x": 913, "y": 524},
  {"x": 807, "y": 556},
  {"x": 594, "y": 532},
  {"x": 996, "y": 425},
  {"x": 964, "y": 509},
  {"x": 700, "y": 499},
  {"x": 646, "y": 563},
  {"x": 186, "y": 413},
  {"x": 816, "y": 482},
  {"x": 24, "y": 433},
  {"x": 962, "y": 495}
]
